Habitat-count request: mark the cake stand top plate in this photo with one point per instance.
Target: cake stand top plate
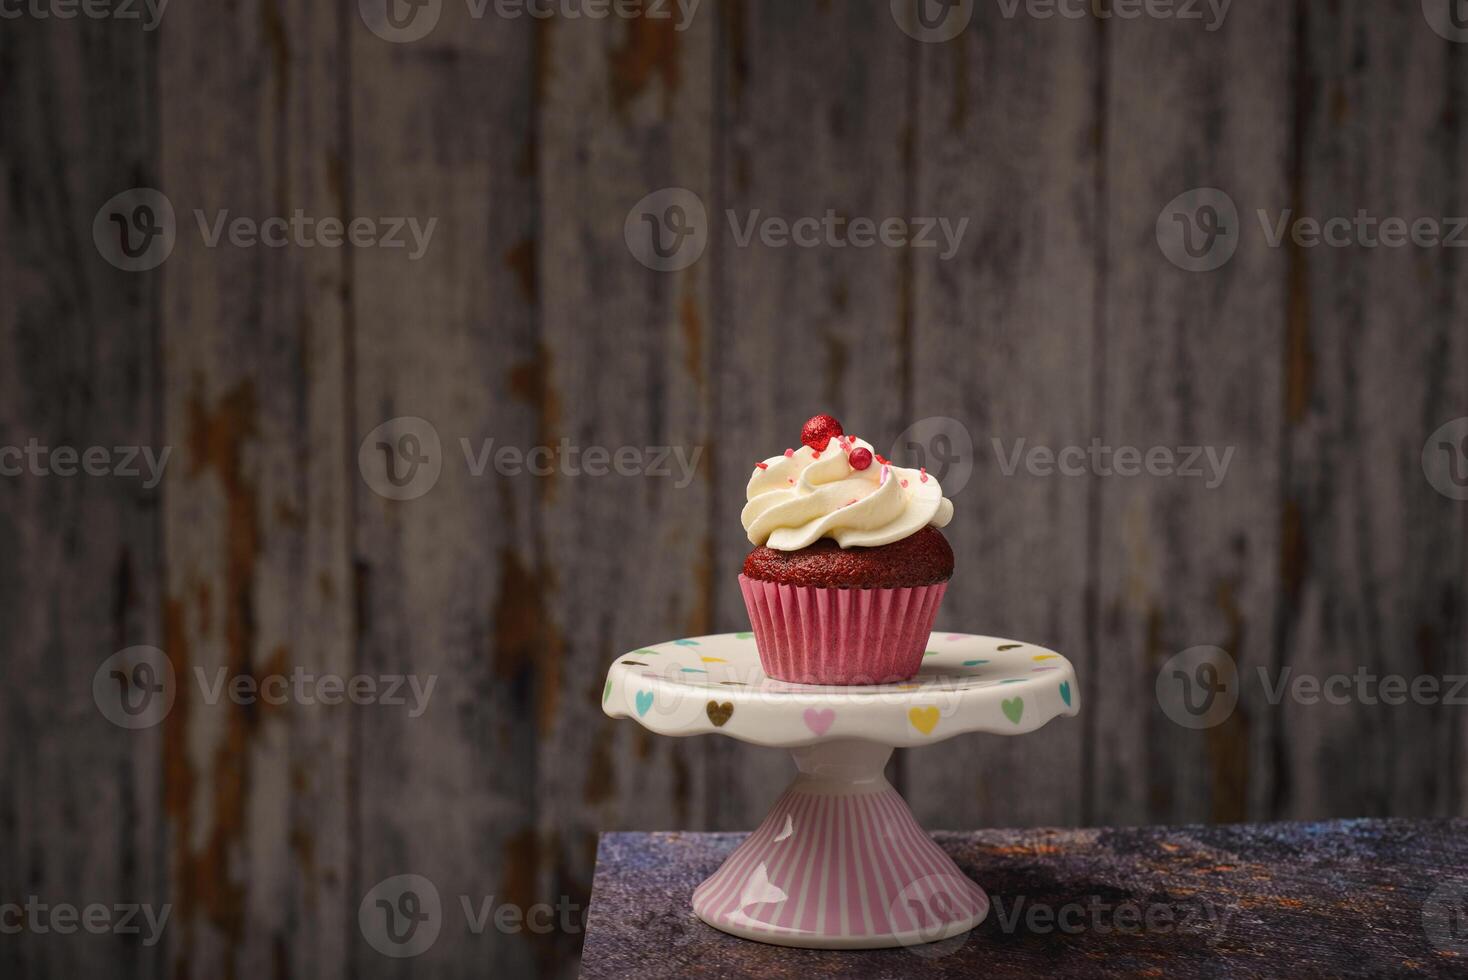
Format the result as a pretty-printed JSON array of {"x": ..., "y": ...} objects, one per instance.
[{"x": 714, "y": 684}]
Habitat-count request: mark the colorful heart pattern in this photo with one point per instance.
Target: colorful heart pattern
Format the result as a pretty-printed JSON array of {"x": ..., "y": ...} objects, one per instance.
[
  {"x": 923, "y": 719},
  {"x": 819, "y": 720},
  {"x": 718, "y": 713}
]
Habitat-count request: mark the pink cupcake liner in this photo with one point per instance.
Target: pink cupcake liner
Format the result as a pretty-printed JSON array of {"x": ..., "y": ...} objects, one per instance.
[{"x": 808, "y": 635}]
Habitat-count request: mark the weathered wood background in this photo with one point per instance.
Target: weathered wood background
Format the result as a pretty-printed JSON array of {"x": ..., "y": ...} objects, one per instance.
[{"x": 528, "y": 321}]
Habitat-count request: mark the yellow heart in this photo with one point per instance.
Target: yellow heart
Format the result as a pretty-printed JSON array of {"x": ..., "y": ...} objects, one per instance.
[
  {"x": 713, "y": 660},
  {"x": 923, "y": 719},
  {"x": 1045, "y": 656}
]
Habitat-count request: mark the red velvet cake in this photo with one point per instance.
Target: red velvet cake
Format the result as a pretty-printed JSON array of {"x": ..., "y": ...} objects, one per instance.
[{"x": 849, "y": 566}]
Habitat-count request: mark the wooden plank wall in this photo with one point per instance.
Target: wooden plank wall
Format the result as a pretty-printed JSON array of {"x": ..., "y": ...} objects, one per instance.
[{"x": 529, "y": 322}]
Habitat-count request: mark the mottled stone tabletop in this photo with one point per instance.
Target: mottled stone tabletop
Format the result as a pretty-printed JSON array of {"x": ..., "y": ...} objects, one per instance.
[{"x": 1363, "y": 898}]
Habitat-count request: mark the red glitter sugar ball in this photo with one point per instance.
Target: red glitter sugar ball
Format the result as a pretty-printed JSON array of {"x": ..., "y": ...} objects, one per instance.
[
  {"x": 818, "y": 432},
  {"x": 860, "y": 458}
]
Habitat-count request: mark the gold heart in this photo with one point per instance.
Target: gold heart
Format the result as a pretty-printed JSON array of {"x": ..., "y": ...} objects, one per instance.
[
  {"x": 720, "y": 713},
  {"x": 923, "y": 719}
]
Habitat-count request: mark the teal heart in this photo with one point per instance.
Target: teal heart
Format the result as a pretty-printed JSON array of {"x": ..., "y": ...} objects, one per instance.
[
  {"x": 644, "y": 701},
  {"x": 974, "y": 663},
  {"x": 1065, "y": 692},
  {"x": 1013, "y": 709},
  {"x": 743, "y": 636},
  {"x": 685, "y": 643},
  {"x": 606, "y": 693}
]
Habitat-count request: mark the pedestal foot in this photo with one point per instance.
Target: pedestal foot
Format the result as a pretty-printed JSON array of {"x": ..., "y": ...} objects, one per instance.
[{"x": 840, "y": 863}]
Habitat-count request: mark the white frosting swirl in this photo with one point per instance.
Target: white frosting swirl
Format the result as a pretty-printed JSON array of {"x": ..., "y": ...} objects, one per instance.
[{"x": 796, "y": 500}]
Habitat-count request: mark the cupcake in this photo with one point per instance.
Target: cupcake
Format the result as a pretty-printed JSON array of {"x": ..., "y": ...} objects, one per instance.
[{"x": 849, "y": 566}]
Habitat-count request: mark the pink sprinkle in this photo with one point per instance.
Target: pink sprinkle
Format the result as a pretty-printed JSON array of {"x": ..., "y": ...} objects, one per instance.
[
  {"x": 904, "y": 483},
  {"x": 789, "y": 452},
  {"x": 815, "y": 454},
  {"x": 763, "y": 466},
  {"x": 849, "y": 502},
  {"x": 791, "y": 481},
  {"x": 923, "y": 470}
]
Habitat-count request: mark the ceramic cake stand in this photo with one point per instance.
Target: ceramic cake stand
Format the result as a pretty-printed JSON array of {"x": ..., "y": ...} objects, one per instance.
[{"x": 840, "y": 863}]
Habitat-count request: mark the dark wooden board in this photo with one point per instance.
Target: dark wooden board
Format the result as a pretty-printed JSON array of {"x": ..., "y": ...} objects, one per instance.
[
  {"x": 1373, "y": 566},
  {"x": 1342, "y": 899},
  {"x": 256, "y": 535},
  {"x": 452, "y": 584},
  {"x": 1189, "y": 359},
  {"x": 80, "y": 569},
  {"x": 1003, "y": 339}
]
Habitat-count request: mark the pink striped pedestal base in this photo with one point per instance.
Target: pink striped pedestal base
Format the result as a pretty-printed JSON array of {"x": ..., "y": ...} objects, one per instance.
[{"x": 840, "y": 863}]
